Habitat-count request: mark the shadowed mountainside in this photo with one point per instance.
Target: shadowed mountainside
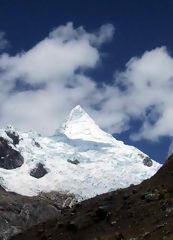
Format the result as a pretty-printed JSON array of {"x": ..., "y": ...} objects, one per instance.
[
  {"x": 18, "y": 213},
  {"x": 142, "y": 212}
]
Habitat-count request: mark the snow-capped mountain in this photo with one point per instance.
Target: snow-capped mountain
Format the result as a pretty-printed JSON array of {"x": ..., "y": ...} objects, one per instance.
[{"x": 80, "y": 158}]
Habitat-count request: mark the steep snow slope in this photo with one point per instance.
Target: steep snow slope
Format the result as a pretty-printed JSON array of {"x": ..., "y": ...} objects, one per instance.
[
  {"x": 79, "y": 125},
  {"x": 80, "y": 158}
]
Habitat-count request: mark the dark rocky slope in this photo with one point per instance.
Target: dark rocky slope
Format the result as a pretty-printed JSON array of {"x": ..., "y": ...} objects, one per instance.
[
  {"x": 18, "y": 213},
  {"x": 143, "y": 212}
]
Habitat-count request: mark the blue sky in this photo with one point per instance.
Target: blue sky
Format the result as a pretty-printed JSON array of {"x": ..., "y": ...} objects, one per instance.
[{"x": 139, "y": 26}]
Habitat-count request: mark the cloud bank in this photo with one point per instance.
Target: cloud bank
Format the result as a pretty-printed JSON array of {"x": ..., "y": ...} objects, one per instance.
[{"x": 40, "y": 86}]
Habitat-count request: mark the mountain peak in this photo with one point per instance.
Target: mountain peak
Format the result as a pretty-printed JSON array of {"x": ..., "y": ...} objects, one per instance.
[
  {"x": 79, "y": 125},
  {"x": 78, "y": 108},
  {"x": 77, "y": 112}
]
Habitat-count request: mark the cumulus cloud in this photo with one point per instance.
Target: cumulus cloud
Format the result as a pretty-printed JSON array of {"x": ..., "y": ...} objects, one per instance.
[
  {"x": 53, "y": 73},
  {"x": 143, "y": 92},
  {"x": 148, "y": 81},
  {"x": 40, "y": 86}
]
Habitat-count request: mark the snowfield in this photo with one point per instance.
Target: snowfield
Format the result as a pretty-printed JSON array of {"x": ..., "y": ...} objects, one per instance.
[{"x": 80, "y": 159}]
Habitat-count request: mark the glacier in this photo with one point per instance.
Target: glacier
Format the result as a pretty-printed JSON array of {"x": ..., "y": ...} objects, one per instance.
[{"x": 80, "y": 159}]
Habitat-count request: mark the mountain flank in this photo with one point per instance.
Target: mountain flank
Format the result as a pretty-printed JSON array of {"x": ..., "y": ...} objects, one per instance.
[{"x": 141, "y": 212}]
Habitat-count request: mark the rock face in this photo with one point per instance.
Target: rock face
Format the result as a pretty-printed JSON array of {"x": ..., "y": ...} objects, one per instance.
[
  {"x": 59, "y": 199},
  {"x": 39, "y": 171},
  {"x": 14, "y": 136},
  {"x": 9, "y": 157},
  {"x": 75, "y": 161},
  {"x": 147, "y": 162},
  {"x": 141, "y": 212},
  {"x": 18, "y": 213}
]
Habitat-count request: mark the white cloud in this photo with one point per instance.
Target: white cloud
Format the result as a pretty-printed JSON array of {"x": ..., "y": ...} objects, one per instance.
[
  {"x": 58, "y": 63},
  {"x": 55, "y": 70},
  {"x": 97, "y": 38},
  {"x": 149, "y": 83}
]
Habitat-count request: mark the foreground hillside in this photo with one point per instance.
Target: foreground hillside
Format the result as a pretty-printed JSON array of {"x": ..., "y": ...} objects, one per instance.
[
  {"x": 18, "y": 213},
  {"x": 142, "y": 212}
]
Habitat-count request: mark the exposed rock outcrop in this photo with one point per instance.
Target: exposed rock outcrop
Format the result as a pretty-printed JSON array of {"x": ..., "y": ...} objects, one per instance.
[
  {"x": 18, "y": 213},
  {"x": 14, "y": 136},
  {"x": 147, "y": 162},
  {"x": 9, "y": 157},
  {"x": 59, "y": 199},
  {"x": 39, "y": 171},
  {"x": 75, "y": 161}
]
